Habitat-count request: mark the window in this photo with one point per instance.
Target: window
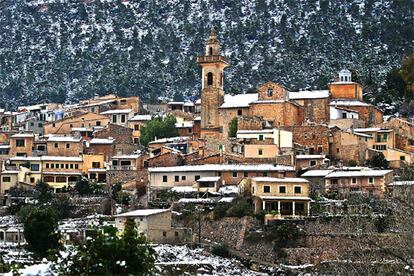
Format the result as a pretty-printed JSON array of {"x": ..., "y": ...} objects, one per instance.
[
  {"x": 266, "y": 189},
  {"x": 98, "y": 123},
  {"x": 176, "y": 234},
  {"x": 298, "y": 190},
  {"x": 136, "y": 140},
  {"x": 71, "y": 166},
  {"x": 96, "y": 164},
  {"x": 114, "y": 119},
  {"x": 70, "y": 125},
  {"x": 344, "y": 115},
  {"x": 197, "y": 177},
  {"x": 190, "y": 130},
  {"x": 312, "y": 163},
  {"x": 260, "y": 151},
  {"x": 183, "y": 177},
  {"x": 136, "y": 127},
  {"x": 234, "y": 174},
  {"x": 67, "y": 166},
  {"x": 32, "y": 124},
  {"x": 52, "y": 166},
  {"x": 371, "y": 180},
  {"x": 354, "y": 180},
  {"x": 53, "y": 125},
  {"x": 35, "y": 167},
  {"x": 270, "y": 92},
  {"x": 334, "y": 181},
  {"x": 47, "y": 165},
  {"x": 402, "y": 158},
  {"x": 60, "y": 179},
  {"x": 177, "y": 178},
  {"x": 245, "y": 174},
  {"x": 164, "y": 178},
  {"x": 210, "y": 51},
  {"x": 56, "y": 145},
  {"x": 40, "y": 125},
  {"x": 261, "y": 138},
  {"x": 123, "y": 118},
  {"x": 282, "y": 189},
  {"x": 164, "y": 234},
  {"x": 67, "y": 145},
  {"x": 123, "y": 102},
  {"x": 20, "y": 143},
  {"x": 380, "y": 147},
  {"x": 76, "y": 166},
  {"x": 210, "y": 78},
  {"x": 48, "y": 179},
  {"x": 265, "y": 174},
  {"x": 32, "y": 179},
  {"x": 6, "y": 179},
  {"x": 239, "y": 112}
]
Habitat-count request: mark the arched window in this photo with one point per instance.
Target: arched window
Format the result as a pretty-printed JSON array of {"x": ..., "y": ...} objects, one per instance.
[
  {"x": 210, "y": 78},
  {"x": 211, "y": 51},
  {"x": 270, "y": 92}
]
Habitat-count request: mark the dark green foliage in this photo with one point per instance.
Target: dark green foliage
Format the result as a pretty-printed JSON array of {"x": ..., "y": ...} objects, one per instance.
[
  {"x": 221, "y": 250},
  {"x": 220, "y": 210},
  {"x": 382, "y": 223},
  {"x": 331, "y": 195},
  {"x": 40, "y": 229},
  {"x": 44, "y": 193},
  {"x": 83, "y": 186},
  {"x": 240, "y": 208},
  {"x": 158, "y": 128},
  {"x": 233, "y": 127},
  {"x": 286, "y": 234},
  {"x": 111, "y": 254},
  {"x": 378, "y": 161},
  {"x": 63, "y": 206},
  {"x": 155, "y": 57}
]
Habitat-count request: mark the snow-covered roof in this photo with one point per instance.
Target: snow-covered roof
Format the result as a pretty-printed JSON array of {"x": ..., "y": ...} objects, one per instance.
[
  {"x": 209, "y": 179},
  {"x": 23, "y": 135},
  {"x": 280, "y": 180},
  {"x": 348, "y": 103},
  {"x": 240, "y": 100},
  {"x": 198, "y": 101},
  {"x": 81, "y": 129},
  {"x": 117, "y": 111},
  {"x": 126, "y": 156},
  {"x": 363, "y": 135},
  {"x": 175, "y": 103},
  {"x": 310, "y": 156},
  {"x": 188, "y": 104},
  {"x": 10, "y": 172},
  {"x": 141, "y": 118},
  {"x": 402, "y": 183},
  {"x": 222, "y": 167},
  {"x": 198, "y": 118},
  {"x": 252, "y": 131},
  {"x": 69, "y": 139},
  {"x": 316, "y": 173},
  {"x": 62, "y": 158},
  {"x": 101, "y": 141},
  {"x": 196, "y": 200},
  {"x": 4, "y": 146},
  {"x": 184, "y": 124},
  {"x": 184, "y": 189},
  {"x": 170, "y": 140},
  {"x": 229, "y": 189},
  {"x": 314, "y": 94},
  {"x": 143, "y": 213},
  {"x": 227, "y": 199},
  {"x": 367, "y": 173},
  {"x": 286, "y": 197},
  {"x": 370, "y": 129},
  {"x": 96, "y": 170}
]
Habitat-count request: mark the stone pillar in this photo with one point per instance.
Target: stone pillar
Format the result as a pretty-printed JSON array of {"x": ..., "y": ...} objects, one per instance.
[
  {"x": 278, "y": 207},
  {"x": 263, "y": 205},
  {"x": 308, "y": 208},
  {"x": 293, "y": 207}
]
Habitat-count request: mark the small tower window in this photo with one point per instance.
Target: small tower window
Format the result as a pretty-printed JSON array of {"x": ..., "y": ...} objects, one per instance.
[
  {"x": 210, "y": 78},
  {"x": 270, "y": 92},
  {"x": 210, "y": 51}
]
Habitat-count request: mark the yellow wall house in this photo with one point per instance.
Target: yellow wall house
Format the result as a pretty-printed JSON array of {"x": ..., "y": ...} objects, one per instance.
[
  {"x": 135, "y": 123},
  {"x": 281, "y": 197},
  {"x": 155, "y": 225}
]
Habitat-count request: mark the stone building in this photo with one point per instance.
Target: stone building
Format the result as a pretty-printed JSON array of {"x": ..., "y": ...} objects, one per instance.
[
  {"x": 121, "y": 135},
  {"x": 22, "y": 144},
  {"x": 66, "y": 124},
  {"x": 64, "y": 146}
]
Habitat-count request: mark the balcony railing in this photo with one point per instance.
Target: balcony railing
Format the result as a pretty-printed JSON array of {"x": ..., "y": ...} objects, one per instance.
[
  {"x": 122, "y": 168},
  {"x": 212, "y": 59}
]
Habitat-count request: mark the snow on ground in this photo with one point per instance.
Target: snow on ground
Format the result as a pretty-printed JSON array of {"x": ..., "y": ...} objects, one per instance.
[{"x": 177, "y": 258}]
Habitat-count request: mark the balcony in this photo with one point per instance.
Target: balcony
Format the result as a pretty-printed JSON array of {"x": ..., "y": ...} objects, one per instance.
[
  {"x": 122, "y": 168},
  {"x": 217, "y": 58}
]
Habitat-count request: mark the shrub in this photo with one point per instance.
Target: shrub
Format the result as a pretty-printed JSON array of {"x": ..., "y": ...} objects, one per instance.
[
  {"x": 221, "y": 250},
  {"x": 286, "y": 234},
  {"x": 378, "y": 161},
  {"x": 381, "y": 223},
  {"x": 240, "y": 209},
  {"x": 43, "y": 192},
  {"x": 233, "y": 127},
  {"x": 220, "y": 210}
]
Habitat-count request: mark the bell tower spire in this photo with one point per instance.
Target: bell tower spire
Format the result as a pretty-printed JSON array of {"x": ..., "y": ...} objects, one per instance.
[{"x": 212, "y": 89}]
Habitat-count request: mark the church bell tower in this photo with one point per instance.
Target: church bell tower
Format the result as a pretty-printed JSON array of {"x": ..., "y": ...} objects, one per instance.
[{"x": 212, "y": 93}]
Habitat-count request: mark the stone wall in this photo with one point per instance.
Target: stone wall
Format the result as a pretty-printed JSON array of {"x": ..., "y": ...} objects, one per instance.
[
  {"x": 313, "y": 137},
  {"x": 249, "y": 123}
]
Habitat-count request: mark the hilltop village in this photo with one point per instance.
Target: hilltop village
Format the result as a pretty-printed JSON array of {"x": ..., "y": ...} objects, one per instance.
[{"x": 281, "y": 151}]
